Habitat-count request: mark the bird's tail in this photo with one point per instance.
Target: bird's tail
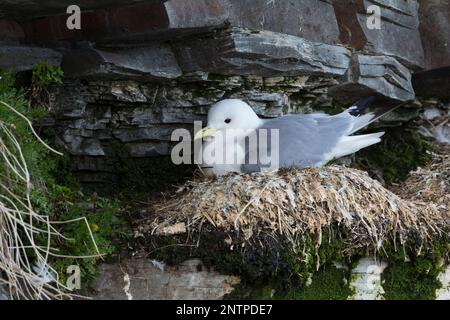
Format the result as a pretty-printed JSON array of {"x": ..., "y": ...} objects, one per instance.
[
  {"x": 351, "y": 144},
  {"x": 361, "y": 120},
  {"x": 359, "y": 106}
]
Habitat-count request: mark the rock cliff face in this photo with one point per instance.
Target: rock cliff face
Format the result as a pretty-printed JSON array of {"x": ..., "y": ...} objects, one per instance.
[{"x": 138, "y": 69}]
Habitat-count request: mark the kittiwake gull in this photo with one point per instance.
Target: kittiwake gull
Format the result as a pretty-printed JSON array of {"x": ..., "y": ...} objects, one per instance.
[{"x": 233, "y": 137}]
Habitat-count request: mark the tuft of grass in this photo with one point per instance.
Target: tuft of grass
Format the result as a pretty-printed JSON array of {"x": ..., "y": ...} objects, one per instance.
[{"x": 54, "y": 191}]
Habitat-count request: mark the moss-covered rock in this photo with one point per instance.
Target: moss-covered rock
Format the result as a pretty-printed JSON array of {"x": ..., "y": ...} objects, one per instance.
[
  {"x": 411, "y": 276},
  {"x": 401, "y": 151}
]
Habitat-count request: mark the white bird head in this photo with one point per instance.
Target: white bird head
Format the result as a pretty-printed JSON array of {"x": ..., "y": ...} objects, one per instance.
[{"x": 230, "y": 114}]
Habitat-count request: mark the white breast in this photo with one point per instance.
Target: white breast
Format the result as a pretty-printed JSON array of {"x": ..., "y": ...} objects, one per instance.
[{"x": 220, "y": 156}]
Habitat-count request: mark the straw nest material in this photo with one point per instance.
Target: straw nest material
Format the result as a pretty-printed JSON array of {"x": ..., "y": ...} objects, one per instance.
[
  {"x": 431, "y": 183},
  {"x": 297, "y": 203}
]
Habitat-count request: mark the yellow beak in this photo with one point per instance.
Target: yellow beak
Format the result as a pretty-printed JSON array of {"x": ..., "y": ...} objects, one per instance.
[{"x": 205, "y": 132}]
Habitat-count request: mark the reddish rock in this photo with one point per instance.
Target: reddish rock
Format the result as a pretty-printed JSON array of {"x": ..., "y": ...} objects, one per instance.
[
  {"x": 399, "y": 34},
  {"x": 99, "y": 24},
  {"x": 10, "y": 30},
  {"x": 27, "y": 9},
  {"x": 138, "y": 23},
  {"x": 351, "y": 32}
]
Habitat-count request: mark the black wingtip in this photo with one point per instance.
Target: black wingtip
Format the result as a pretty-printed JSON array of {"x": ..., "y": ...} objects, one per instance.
[{"x": 358, "y": 107}]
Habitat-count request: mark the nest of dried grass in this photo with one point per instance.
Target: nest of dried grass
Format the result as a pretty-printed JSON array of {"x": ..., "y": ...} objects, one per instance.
[
  {"x": 431, "y": 183},
  {"x": 300, "y": 203}
]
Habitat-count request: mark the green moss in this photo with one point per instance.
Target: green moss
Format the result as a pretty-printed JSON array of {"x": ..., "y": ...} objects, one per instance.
[
  {"x": 329, "y": 283},
  {"x": 414, "y": 277},
  {"x": 401, "y": 150}
]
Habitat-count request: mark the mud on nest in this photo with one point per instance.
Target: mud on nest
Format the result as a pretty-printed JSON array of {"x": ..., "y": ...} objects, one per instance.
[{"x": 298, "y": 206}]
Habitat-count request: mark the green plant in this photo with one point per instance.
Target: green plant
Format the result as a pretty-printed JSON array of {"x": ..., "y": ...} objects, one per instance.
[
  {"x": 53, "y": 193},
  {"x": 45, "y": 74}
]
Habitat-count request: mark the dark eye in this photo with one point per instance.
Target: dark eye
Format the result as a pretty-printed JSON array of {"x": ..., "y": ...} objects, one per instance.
[{"x": 227, "y": 120}]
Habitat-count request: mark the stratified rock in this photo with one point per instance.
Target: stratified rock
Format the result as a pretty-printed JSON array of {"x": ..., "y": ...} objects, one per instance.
[
  {"x": 375, "y": 75},
  {"x": 298, "y": 18},
  {"x": 148, "y": 149},
  {"x": 79, "y": 145},
  {"x": 435, "y": 32},
  {"x": 263, "y": 53},
  {"x": 140, "y": 22},
  {"x": 144, "y": 279},
  {"x": 155, "y": 61},
  {"x": 126, "y": 135},
  {"x": 22, "y": 57},
  {"x": 192, "y": 14},
  {"x": 399, "y": 33},
  {"x": 268, "y": 104}
]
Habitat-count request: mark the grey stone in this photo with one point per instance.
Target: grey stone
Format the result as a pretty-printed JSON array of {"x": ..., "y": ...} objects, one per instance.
[
  {"x": 130, "y": 92},
  {"x": 186, "y": 115},
  {"x": 299, "y": 18},
  {"x": 264, "y": 53},
  {"x": 153, "y": 61},
  {"x": 92, "y": 164},
  {"x": 21, "y": 57},
  {"x": 148, "y": 149},
  {"x": 266, "y": 104},
  {"x": 376, "y": 75},
  {"x": 191, "y": 14},
  {"x": 143, "y": 117},
  {"x": 140, "y": 134},
  {"x": 144, "y": 279},
  {"x": 79, "y": 145}
]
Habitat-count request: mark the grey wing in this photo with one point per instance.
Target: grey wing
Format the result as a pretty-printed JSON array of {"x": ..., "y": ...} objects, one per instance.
[{"x": 303, "y": 140}]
